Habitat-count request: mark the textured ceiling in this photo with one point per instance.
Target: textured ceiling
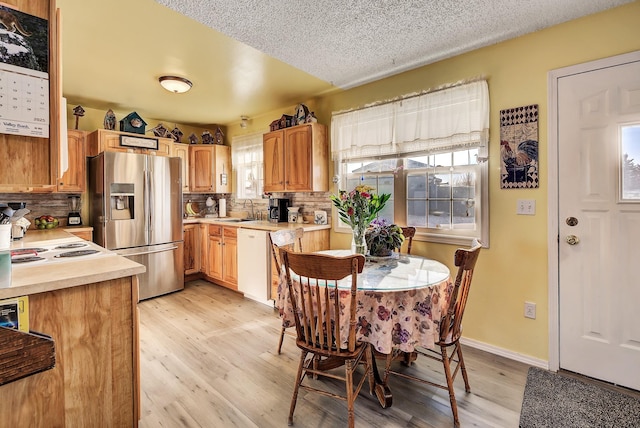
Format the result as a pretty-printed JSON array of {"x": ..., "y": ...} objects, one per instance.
[
  {"x": 249, "y": 57},
  {"x": 351, "y": 42}
]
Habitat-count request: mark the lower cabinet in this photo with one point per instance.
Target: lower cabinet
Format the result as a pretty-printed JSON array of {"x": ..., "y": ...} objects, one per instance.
[
  {"x": 211, "y": 250},
  {"x": 191, "y": 249},
  {"x": 222, "y": 255}
]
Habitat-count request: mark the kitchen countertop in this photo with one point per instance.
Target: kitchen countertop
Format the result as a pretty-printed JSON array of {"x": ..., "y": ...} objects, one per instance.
[
  {"x": 55, "y": 276},
  {"x": 257, "y": 224}
]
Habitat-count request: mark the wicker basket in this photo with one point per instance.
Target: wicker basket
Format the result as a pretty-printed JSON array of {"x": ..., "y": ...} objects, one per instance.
[{"x": 24, "y": 354}]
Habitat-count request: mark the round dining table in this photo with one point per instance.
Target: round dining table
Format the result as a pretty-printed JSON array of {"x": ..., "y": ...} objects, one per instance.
[{"x": 400, "y": 301}]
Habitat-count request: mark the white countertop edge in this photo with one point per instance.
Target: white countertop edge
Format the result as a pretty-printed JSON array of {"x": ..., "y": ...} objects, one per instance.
[
  {"x": 44, "y": 278},
  {"x": 258, "y": 224}
]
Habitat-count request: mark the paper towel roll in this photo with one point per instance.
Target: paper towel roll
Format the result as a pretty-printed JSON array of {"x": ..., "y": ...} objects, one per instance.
[
  {"x": 5, "y": 236},
  {"x": 222, "y": 207}
]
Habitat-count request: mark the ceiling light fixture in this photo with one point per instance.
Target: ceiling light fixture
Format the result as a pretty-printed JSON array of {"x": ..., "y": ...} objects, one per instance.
[
  {"x": 244, "y": 121},
  {"x": 175, "y": 84}
]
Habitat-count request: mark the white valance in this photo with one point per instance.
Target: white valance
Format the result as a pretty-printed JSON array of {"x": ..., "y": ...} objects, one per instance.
[
  {"x": 246, "y": 149},
  {"x": 443, "y": 120}
]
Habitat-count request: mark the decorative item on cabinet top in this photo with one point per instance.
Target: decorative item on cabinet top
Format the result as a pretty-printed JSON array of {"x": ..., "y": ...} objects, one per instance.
[
  {"x": 207, "y": 138},
  {"x": 133, "y": 123},
  {"x": 193, "y": 139},
  {"x": 219, "y": 136},
  {"x": 176, "y": 134},
  {"x": 110, "y": 120},
  {"x": 78, "y": 112},
  {"x": 284, "y": 122},
  {"x": 161, "y": 131}
]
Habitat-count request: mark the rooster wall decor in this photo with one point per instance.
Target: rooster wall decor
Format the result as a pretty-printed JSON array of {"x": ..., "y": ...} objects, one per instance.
[{"x": 519, "y": 147}]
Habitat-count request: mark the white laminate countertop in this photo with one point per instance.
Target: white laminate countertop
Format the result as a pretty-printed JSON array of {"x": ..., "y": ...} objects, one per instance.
[
  {"x": 45, "y": 277},
  {"x": 257, "y": 224}
]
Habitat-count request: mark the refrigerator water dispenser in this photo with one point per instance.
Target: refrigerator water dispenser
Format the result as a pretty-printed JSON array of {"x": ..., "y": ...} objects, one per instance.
[{"x": 122, "y": 201}]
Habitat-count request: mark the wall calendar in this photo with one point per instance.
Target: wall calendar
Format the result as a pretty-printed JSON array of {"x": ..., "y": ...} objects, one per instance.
[{"x": 24, "y": 74}]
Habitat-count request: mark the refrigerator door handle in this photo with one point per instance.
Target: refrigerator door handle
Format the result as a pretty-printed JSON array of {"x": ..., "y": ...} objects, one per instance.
[
  {"x": 151, "y": 201},
  {"x": 149, "y": 252},
  {"x": 147, "y": 203}
]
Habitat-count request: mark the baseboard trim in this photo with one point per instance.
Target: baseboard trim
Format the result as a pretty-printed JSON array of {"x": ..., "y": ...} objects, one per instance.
[{"x": 526, "y": 359}]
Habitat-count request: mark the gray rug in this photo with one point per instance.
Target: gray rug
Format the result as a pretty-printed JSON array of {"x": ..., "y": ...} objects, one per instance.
[{"x": 553, "y": 400}]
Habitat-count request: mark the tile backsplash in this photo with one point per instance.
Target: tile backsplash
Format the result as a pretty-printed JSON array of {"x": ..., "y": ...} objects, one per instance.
[{"x": 54, "y": 204}]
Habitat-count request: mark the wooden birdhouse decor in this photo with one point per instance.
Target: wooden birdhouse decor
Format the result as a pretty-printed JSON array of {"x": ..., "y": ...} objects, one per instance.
[
  {"x": 176, "y": 134},
  {"x": 218, "y": 136},
  {"x": 207, "y": 138},
  {"x": 110, "y": 120},
  {"x": 133, "y": 123},
  {"x": 78, "y": 112},
  {"x": 160, "y": 131},
  {"x": 193, "y": 139}
]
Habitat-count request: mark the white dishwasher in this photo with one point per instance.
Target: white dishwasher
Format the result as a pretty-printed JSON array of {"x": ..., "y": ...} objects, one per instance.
[{"x": 254, "y": 267}]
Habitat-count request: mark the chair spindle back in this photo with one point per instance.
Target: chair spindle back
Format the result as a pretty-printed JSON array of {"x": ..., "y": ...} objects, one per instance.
[
  {"x": 451, "y": 323},
  {"x": 315, "y": 298}
]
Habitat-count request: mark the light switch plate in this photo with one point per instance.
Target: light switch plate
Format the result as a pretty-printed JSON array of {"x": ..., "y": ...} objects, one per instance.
[{"x": 526, "y": 207}]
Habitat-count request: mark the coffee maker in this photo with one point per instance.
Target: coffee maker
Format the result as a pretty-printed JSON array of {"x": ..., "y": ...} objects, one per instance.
[{"x": 278, "y": 210}]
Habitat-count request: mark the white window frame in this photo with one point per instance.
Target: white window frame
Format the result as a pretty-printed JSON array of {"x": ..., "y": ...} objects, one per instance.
[{"x": 376, "y": 132}]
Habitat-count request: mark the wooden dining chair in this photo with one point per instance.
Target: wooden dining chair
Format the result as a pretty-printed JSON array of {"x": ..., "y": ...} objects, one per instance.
[
  {"x": 450, "y": 330},
  {"x": 286, "y": 238},
  {"x": 319, "y": 320},
  {"x": 409, "y": 232}
]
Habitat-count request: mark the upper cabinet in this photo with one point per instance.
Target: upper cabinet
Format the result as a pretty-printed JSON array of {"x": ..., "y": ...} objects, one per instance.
[
  {"x": 102, "y": 140},
  {"x": 296, "y": 159},
  {"x": 29, "y": 162},
  {"x": 209, "y": 168},
  {"x": 179, "y": 150},
  {"x": 74, "y": 178}
]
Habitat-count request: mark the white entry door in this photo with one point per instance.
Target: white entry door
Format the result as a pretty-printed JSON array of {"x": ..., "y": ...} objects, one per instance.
[{"x": 598, "y": 127}]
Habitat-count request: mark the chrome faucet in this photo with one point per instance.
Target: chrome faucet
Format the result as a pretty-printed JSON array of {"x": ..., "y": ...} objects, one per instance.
[{"x": 244, "y": 205}]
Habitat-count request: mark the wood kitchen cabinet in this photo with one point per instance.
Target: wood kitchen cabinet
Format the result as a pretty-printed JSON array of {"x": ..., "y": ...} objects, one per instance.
[
  {"x": 30, "y": 163},
  {"x": 102, "y": 140},
  {"x": 74, "y": 178},
  {"x": 209, "y": 168},
  {"x": 191, "y": 249},
  {"x": 222, "y": 255},
  {"x": 296, "y": 159},
  {"x": 95, "y": 381},
  {"x": 179, "y": 150}
]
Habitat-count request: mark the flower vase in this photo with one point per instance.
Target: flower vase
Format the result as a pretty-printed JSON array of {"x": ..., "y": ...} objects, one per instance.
[{"x": 358, "y": 243}]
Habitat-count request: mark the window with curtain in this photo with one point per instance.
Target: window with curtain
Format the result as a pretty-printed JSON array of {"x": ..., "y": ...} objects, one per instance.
[
  {"x": 428, "y": 151},
  {"x": 246, "y": 152}
]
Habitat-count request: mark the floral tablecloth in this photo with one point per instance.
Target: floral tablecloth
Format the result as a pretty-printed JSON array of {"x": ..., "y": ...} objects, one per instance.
[{"x": 389, "y": 319}]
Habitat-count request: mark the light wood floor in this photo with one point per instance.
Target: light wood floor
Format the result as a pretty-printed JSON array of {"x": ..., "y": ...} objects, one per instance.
[{"x": 208, "y": 359}]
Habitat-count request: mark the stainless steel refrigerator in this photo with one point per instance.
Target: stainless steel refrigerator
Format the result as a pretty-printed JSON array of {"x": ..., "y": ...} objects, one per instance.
[{"x": 136, "y": 211}]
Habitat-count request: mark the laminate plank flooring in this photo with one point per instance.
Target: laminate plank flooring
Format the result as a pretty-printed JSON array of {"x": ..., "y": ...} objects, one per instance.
[{"x": 208, "y": 359}]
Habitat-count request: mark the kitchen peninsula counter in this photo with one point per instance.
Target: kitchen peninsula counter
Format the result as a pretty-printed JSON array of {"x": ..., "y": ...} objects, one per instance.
[
  {"x": 89, "y": 309},
  {"x": 44, "y": 277}
]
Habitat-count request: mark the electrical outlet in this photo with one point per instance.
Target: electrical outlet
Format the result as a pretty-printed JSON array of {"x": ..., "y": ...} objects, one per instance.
[
  {"x": 530, "y": 310},
  {"x": 526, "y": 207}
]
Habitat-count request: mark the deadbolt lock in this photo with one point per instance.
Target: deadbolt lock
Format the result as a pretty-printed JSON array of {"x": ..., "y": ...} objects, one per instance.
[{"x": 572, "y": 221}]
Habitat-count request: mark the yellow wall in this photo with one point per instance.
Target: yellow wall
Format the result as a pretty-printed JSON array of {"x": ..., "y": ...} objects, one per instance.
[{"x": 514, "y": 269}]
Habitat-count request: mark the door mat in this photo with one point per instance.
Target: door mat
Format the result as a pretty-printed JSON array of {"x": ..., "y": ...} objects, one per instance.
[{"x": 553, "y": 400}]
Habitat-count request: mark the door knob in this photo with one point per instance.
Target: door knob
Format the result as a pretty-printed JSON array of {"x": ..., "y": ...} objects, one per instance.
[{"x": 572, "y": 239}]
